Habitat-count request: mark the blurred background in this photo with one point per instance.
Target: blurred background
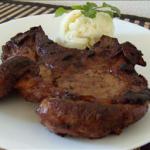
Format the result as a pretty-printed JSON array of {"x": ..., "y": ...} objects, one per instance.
[{"x": 138, "y": 7}]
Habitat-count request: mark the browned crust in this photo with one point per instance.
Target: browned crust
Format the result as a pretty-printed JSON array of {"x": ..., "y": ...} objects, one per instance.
[
  {"x": 67, "y": 110},
  {"x": 13, "y": 69},
  {"x": 24, "y": 44},
  {"x": 88, "y": 119}
]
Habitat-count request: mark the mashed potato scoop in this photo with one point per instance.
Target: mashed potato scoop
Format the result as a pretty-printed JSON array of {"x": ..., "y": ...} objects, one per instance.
[{"x": 79, "y": 31}]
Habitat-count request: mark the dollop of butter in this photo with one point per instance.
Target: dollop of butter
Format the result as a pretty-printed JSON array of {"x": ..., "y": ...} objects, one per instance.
[{"x": 79, "y": 31}]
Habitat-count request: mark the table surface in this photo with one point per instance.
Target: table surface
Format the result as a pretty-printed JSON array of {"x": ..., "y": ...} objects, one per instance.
[
  {"x": 134, "y": 7},
  {"x": 12, "y": 10}
]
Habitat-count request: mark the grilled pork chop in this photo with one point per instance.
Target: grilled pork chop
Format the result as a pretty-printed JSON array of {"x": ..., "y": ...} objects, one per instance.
[
  {"x": 89, "y": 93},
  {"x": 12, "y": 70}
]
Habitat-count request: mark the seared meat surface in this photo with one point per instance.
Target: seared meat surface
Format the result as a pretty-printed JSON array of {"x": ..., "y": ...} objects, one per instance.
[
  {"x": 12, "y": 70},
  {"x": 88, "y": 119},
  {"x": 89, "y": 93}
]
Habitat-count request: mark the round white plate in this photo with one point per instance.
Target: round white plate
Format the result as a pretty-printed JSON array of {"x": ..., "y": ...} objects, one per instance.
[{"x": 19, "y": 125}]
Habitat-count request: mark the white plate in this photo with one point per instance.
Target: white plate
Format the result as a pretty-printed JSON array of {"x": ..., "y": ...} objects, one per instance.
[{"x": 19, "y": 124}]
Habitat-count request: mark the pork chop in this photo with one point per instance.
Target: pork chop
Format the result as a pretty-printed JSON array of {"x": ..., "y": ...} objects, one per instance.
[{"x": 89, "y": 93}]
